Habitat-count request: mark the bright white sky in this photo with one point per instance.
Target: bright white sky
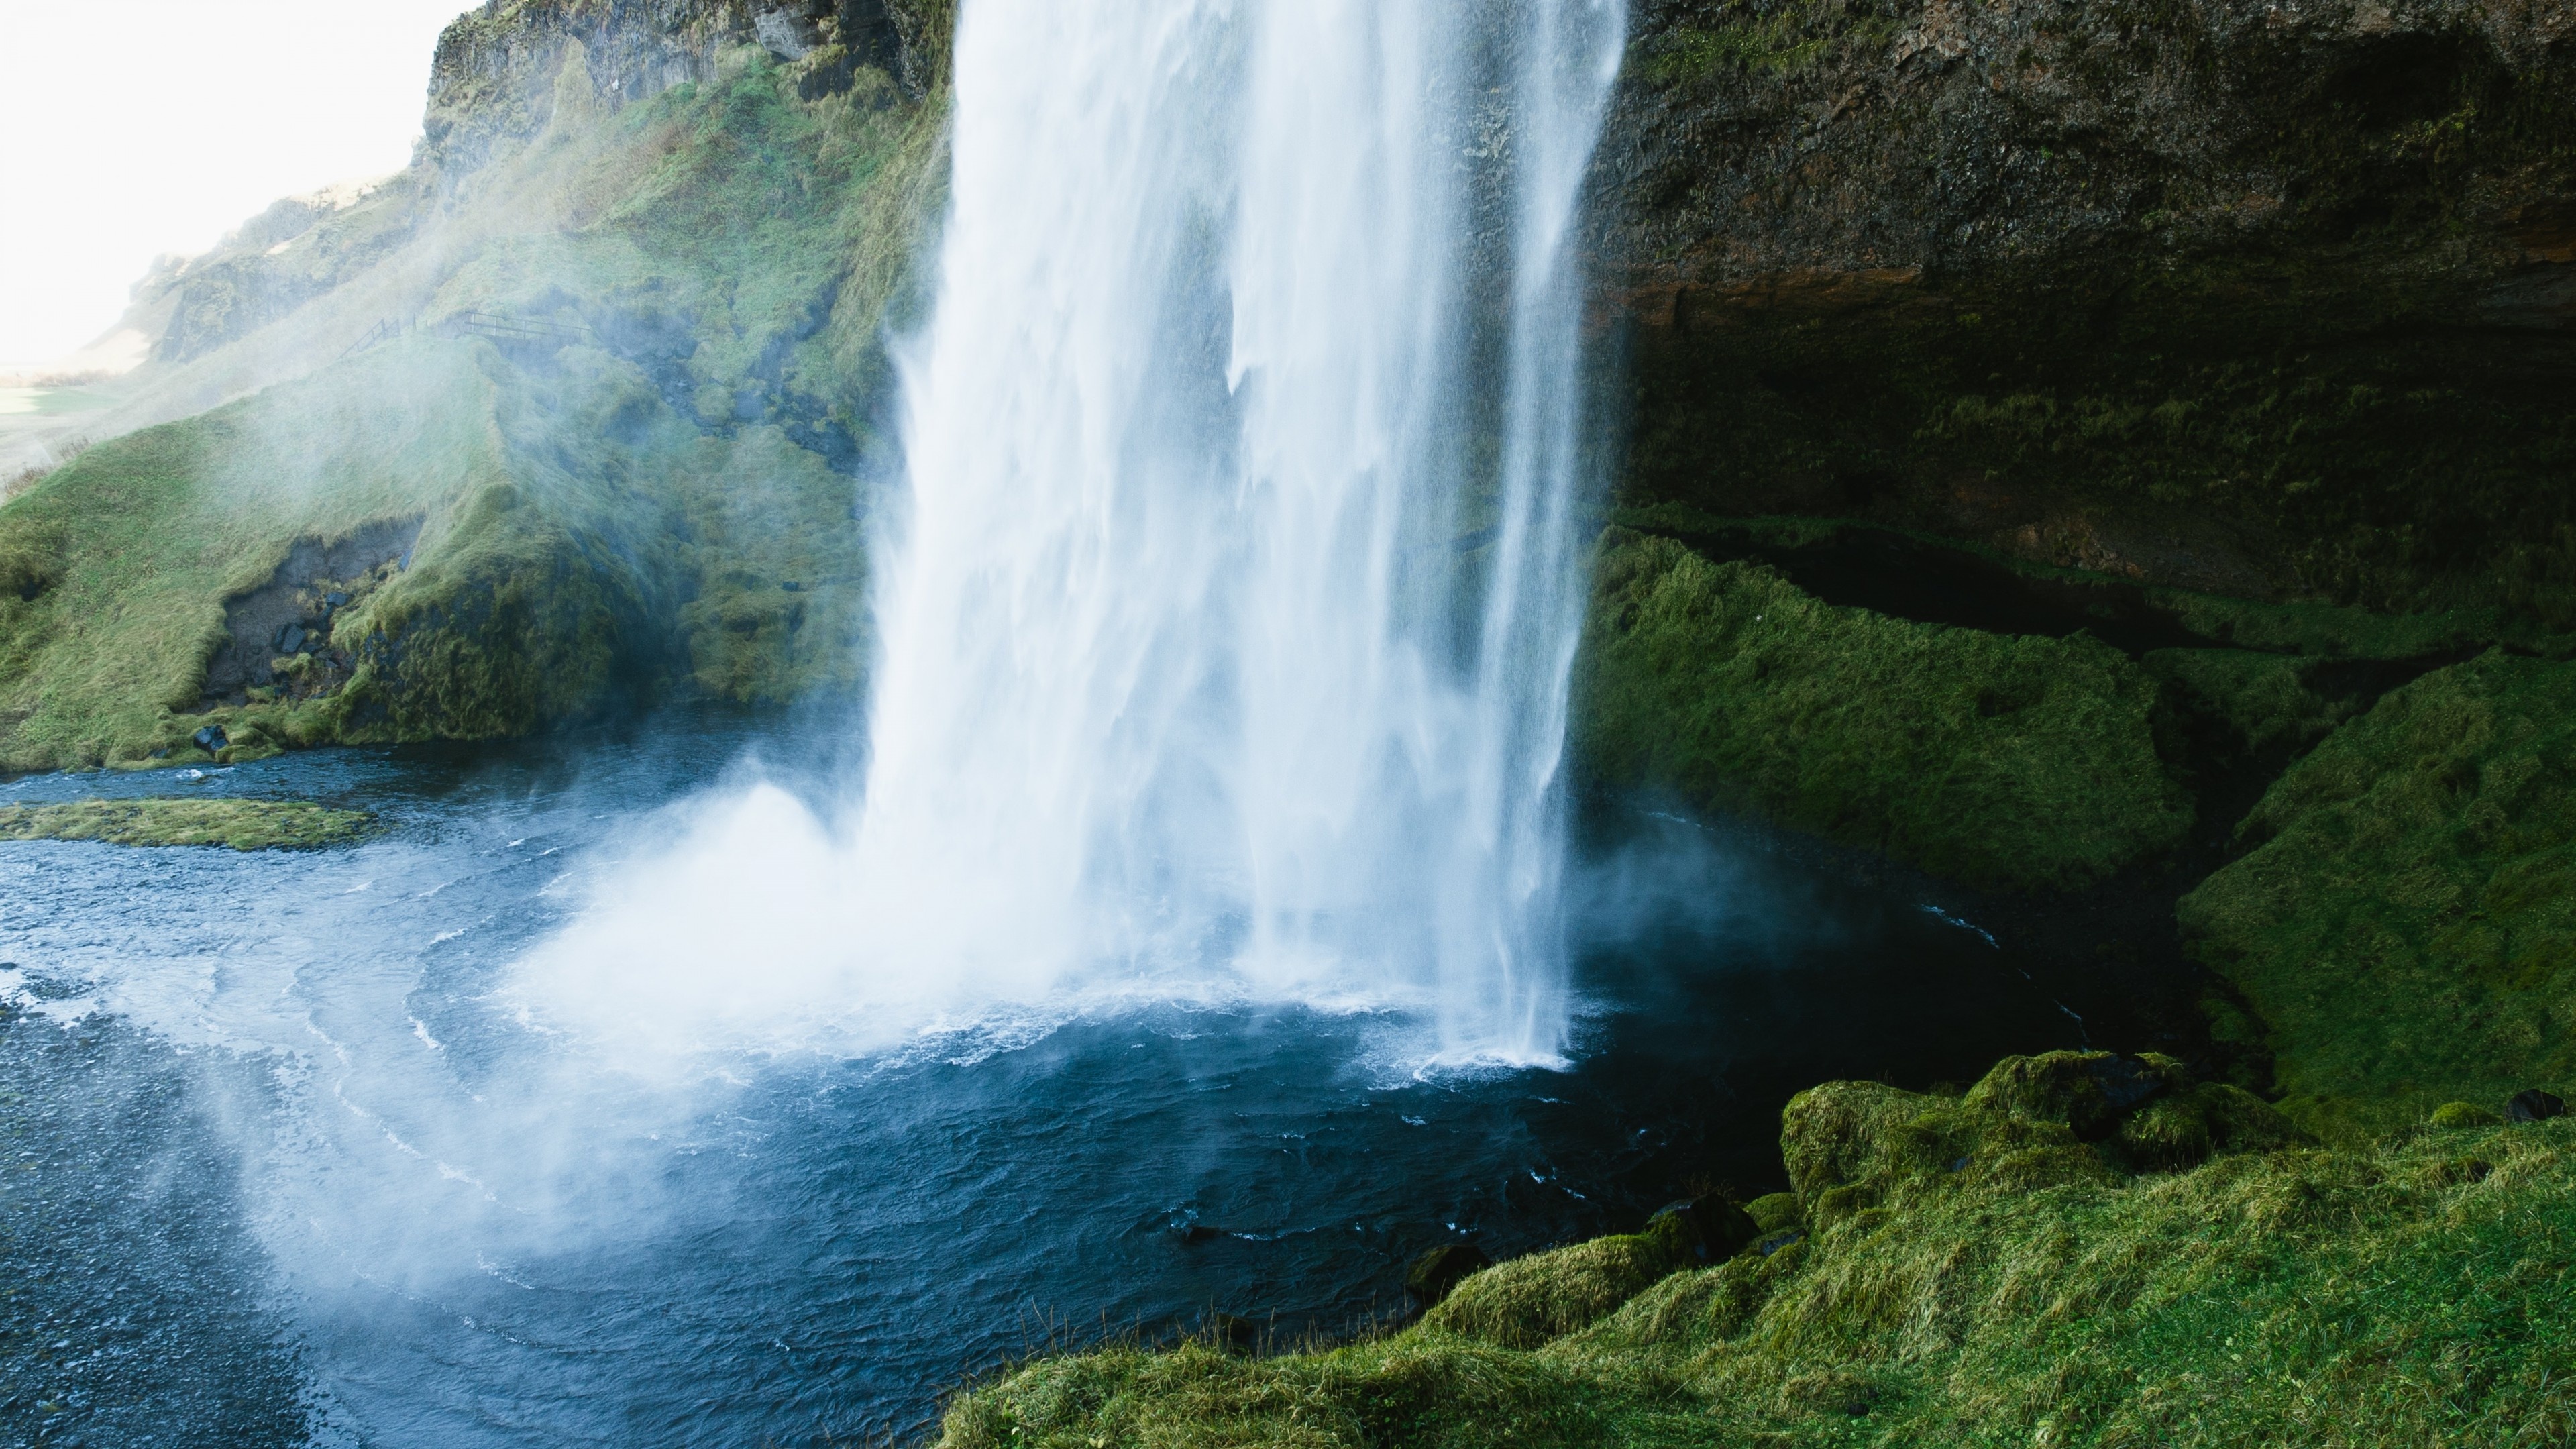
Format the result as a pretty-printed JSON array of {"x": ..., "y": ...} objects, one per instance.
[{"x": 148, "y": 126}]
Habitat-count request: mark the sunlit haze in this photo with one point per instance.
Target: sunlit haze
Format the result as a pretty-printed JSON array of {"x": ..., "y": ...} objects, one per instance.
[{"x": 158, "y": 125}]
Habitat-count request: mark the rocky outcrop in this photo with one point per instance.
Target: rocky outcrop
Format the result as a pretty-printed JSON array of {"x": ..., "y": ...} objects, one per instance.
[
  {"x": 2271, "y": 300},
  {"x": 1880, "y": 146},
  {"x": 489, "y": 80}
]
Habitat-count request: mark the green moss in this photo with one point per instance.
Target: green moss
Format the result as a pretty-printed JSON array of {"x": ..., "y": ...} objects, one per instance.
[
  {"x": 2309, "y": 628},
  {"x": 2407, "y": 924},
  {"x": 2024, "y": 762},
  {"x": 240, "y": 824},
  {"x": 2452, "y": 1116},
  {"x": 1774, "y": 1212},
  {"x": 2330, "y": 631},
  {"x": 2266, "y": 1292}
]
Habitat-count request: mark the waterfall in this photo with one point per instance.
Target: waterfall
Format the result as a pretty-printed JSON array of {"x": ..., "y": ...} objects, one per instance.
[{"x": 1225, "y": 623}]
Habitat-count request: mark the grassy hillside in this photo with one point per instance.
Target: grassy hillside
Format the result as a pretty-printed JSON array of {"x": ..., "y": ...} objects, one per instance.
[
  {"x": 2043, "y": 1261},
  {"x": 624, "y": 434}
]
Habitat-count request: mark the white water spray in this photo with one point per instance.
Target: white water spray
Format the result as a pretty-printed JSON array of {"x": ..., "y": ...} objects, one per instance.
[{"x": 1226, "y": 627}]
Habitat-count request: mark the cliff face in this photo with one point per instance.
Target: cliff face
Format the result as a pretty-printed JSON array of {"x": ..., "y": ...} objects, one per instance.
[
  {"x": 2423, "y": 143},
  {"x": 486, "y": 84},
  {"x": 2269, "y": 299}
]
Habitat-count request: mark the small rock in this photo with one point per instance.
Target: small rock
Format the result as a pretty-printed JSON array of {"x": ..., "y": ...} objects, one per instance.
[
  {"x": 2534, "y": 1105},
  {"x": 211, "y": 739},
  {"x": 1442, "y": 1269},
  {"x": 791, "y": 588},
  {"x": 335, "y": 600},
  {"x": 290, "y": 639}
]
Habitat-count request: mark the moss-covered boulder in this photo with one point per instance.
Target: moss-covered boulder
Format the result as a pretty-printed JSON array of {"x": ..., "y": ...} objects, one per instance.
[
  {"x": 2406, "y": 923},
  {"x": 1858, "y": 1150},
  {"x": 2015, "y": 761}
]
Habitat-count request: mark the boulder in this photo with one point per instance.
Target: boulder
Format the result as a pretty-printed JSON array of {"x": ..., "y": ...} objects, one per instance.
[
  {"x": 2534, "y": 1105},
  {"x": 1773, "y": 1212}
]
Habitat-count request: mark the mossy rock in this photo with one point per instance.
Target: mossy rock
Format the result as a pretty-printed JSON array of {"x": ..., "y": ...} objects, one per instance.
[
  {"x": 2060, "y": 1118},
  {"x": 2406, "y": 923},
  {"x": 1773, "y": 1212},
  {"x": 2019, "y": 762}
]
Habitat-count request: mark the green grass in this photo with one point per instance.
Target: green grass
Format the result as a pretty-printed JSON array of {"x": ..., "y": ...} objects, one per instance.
[
  {"x": 2406, "y": 926},
  {"x": 2007, "y": 761},
  {"x": 239, "y": 824},
  {"x": 1969, "y": 1272}
]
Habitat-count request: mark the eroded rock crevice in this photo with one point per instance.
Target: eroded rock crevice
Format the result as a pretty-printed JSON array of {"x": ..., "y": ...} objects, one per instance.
[{"x": 281, "y": 636}]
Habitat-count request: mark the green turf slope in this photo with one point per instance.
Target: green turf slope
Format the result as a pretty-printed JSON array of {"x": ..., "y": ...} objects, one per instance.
[{"x": 2029, "y": 1265}]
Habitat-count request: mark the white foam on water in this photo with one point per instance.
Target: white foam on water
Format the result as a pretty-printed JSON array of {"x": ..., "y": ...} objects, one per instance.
[{"x": 1226, "y": 619}]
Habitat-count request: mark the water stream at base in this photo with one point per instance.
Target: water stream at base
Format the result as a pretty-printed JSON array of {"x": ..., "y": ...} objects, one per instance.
[{"x": 286, "y": 1161}]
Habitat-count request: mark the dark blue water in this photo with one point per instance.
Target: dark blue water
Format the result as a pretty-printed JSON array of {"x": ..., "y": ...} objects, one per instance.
[{"x": 282, "y": 1163}]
